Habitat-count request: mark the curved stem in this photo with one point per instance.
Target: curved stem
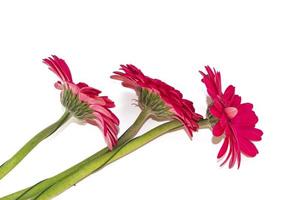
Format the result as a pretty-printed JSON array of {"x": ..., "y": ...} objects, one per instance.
[
  {"x": 135, "y": 127},
  {"x": 10, "y": 164},
  {"x": 35, "y": 189},
  {"x": 144, "y": 139},
  {"x": 108, "y": 158}
]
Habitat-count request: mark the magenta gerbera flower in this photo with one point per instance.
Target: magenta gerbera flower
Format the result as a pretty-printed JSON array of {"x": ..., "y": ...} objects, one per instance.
[
  {"x": 84, "y": 102},
  {"x": 232, "y": 119},
  {"x": 164, "y": 101}
]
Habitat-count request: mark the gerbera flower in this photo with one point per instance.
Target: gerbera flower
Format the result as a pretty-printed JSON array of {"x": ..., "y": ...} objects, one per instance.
[
  {"x": 232, "y": 119},
  {"x": 163, "y": 101},
  {"x": 84, "y": 102}
]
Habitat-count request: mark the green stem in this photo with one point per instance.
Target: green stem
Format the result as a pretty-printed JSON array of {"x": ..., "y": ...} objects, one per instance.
[
  {"x": 135, "y": 127},
  {"x": 108, "y": 158},
  {"x": 144, "y": 139},
  {"x": 35, "y": 190},
  {"x": 10, "y": 164}
]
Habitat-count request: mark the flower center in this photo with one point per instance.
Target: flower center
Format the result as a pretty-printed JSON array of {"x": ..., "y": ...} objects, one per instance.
[
  {"x": 231, "y": 112},
  {"x": 75, "y": 106}
]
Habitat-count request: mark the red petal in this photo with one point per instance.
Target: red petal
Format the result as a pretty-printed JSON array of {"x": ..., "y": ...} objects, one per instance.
[
  {"x": 247, "y": 147},
  {"x": 228, "y": 94},
  {"x": 218, "y": 130},
  {"x": 223, "y": 149},
  {"x": 59, "y": 67},
  {"x": 236, "y": 101},
  {"x": 246, "y": 116},
  {"x": 215, "y": 112},
  {"x": 253, "y": 134}
]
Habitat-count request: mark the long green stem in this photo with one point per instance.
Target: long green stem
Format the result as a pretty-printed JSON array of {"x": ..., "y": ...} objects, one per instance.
[
  {"x": 144, "y": 139},
  {"x": 29, "y": 146},
  {"x": 109, "y": 157},
  {"x": 35, "y": 190},
  {"x": 135, "y": 127}
]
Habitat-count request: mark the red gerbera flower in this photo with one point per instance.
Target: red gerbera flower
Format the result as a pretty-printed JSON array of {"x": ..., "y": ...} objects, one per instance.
[
  {"x": 84, "y": 102},
  {"x": 164, "y": 101},
  {"x": 235, "y": 120}
]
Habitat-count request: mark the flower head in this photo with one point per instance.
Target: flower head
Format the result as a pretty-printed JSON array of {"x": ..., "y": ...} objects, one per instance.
[
  {"x": 232, "y": 119},
  {"x": 164, "y": 101},
  {"x": 84, "y": 102}
]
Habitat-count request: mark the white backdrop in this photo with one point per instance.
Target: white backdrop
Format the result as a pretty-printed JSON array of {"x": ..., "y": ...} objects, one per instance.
[{"x": 255, "y": 44}]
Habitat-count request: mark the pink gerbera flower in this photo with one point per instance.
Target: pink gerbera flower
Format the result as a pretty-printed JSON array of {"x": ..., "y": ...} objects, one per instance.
[
  {"x": 164, "y": 101},
  {"x": 232, "y": 119},
  {"x": 84, "y": 102}
]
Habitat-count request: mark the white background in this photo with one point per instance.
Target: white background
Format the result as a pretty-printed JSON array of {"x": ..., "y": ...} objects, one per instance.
[{"x": 255, "y": 44}]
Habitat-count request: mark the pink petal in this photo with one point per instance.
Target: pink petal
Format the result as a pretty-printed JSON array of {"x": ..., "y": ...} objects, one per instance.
[
  {"x": 234, "y": 155},
  {"x": 236, "y": 101},
  {"x": 218, "y": 130},
  {"x": 90, "y": 91},
  {"x": 229, "y": 153},
  {"x": 247, "y": 147},
  {"x": 212, "y": 81},
  {"x": 218, "y": 105},
  {"x": 228, "y": 94},
  {"x": 223, "y": 149},
  {"x": 246, "y": 116},
  {"x": 59, "y": 67},
  {"x": 253, "y": 134},
  {"x": 81, "y": 85},
  {"x": 215, "y": 112}
]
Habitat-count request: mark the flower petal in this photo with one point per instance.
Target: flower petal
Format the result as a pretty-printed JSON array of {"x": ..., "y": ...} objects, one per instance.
[
  {"x": 247, "y": 147},
  {"x": 218, "y": 129},
  {"x": 224, "y": 148},
  {"x": 228, "y": 94},
  {"x": 253, "y": 134},
  {"x": 212, "y": 80},
  {"x": 59, "y": 67}
]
